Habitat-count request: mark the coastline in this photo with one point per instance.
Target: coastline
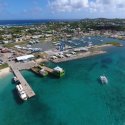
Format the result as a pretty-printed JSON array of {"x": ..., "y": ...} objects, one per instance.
[
  {"x": 4, "y": 72},
  {"x": 83, "y": 54},
  {"x": 79, "y": 56}
]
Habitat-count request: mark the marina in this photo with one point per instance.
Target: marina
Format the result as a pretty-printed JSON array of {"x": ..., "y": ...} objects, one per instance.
[
  {"x": 79, "y": 52},
  {"x": 62, "y": 69},
  {"x": 78, "y": 56},
  {"x": 78, "y": 92}
]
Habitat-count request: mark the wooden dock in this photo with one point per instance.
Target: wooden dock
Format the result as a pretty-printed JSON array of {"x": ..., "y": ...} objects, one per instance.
[{"x": 28, "y": 90}]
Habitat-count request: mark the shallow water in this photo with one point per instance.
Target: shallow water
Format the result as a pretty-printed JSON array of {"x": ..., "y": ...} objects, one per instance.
[{"x": 76, "y": 99}]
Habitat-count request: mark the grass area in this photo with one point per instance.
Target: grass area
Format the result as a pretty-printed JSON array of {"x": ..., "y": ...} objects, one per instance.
[
  {"x": 114, "y": 43},
  {"x": 9, "y": 45},
  {"x": 3, "y": 66}
]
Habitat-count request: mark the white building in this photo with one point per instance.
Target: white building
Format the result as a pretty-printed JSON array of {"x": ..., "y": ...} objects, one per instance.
[{"x": 25, "y": 58}]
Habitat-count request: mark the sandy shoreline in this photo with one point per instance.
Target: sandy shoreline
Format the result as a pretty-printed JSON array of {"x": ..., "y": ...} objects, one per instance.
[{"x": 4, "y": 72}]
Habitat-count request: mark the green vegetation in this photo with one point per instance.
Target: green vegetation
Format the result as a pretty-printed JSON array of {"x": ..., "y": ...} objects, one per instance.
[
  {"x": 114, "y": 43},
  {"x": 1, "y": 38},
  {"x": 9, "y": 45},
  {"x": 3, "y": 66}
]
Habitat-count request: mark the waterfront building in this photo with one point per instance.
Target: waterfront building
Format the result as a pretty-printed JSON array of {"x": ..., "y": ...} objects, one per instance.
[
  {"x": 58, "y": 71},
  {"x": 25, "y": 58}
]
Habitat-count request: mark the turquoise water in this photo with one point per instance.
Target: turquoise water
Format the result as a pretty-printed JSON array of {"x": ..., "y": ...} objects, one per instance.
[{"x": 76, "y": 99}]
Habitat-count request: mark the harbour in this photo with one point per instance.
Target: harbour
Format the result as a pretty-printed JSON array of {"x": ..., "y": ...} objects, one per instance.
[
  {"x": 62, "y": 62},
  {"x": 78, "y": 93},
  {"x": 35, "y": 62},
  {"x": 33, "y": 66}
]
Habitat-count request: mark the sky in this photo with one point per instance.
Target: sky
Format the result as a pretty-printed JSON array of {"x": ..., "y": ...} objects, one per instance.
[{"x": 61, "y": 9}]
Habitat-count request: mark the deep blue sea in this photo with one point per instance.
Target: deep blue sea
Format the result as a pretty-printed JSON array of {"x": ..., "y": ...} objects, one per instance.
[
  {"x": 29, "y": 22},
  {"x": 78, "y": 98}
]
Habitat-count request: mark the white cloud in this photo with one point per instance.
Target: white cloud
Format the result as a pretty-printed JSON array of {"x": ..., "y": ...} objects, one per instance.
[
  {"x": 108, "y": 5},
  {"x": 68, "y": 5},
  {"x": 97, "y": 5}
]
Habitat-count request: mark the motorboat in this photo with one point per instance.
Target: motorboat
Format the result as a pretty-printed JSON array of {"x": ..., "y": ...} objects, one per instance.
[
  {"x": 104, "y": 79},
  {"x": 21, "y": 92},
  {"x": 15, "y": 79}
]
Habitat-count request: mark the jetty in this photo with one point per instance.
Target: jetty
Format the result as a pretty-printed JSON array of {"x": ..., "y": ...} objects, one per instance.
[{"x": 15, "y": 67}]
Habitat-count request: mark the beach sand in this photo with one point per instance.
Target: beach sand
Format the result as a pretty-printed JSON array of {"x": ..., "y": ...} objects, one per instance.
[{"x": 4, "y": 72}]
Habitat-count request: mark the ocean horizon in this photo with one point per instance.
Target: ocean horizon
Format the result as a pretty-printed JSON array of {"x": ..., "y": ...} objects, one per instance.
[{"x": 32, "y": 21}]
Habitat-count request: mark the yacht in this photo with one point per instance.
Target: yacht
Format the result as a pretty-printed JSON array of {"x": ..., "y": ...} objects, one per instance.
[
  {"x": 21, "y": 92},
  {"x": 103, "y": 79}
]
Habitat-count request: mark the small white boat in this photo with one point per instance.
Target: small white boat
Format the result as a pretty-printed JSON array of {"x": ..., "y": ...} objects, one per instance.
[
  {"x": 89, "y": 38},
  {"x": 103, "y": 79},
  {"x": 15, "y": 79}
]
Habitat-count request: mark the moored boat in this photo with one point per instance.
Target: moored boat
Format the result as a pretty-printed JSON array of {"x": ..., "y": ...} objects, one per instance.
[
  {"x": 21, "y": 92},
  {"x": 103, "y": 79},
  {"x": 15, "y": 79}
]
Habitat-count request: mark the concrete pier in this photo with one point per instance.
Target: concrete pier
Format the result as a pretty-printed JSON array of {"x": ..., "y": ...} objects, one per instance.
[{"x": 28, "y": 90}]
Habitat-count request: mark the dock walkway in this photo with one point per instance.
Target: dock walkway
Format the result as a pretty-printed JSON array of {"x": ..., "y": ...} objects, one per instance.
[{"x": 15, "y": 68}]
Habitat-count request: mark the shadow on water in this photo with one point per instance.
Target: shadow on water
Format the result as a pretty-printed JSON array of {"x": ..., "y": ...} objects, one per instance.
[
  {"x": 12, "y": 81},
  {"x": 99, "y": 81},
  {"x": 16, "y": 97},
  {"x": 43, "y": 114},
  {"x": 51, "y": 76},
  {"x": 93, "y": 66},
  {"x": 107, "y": 61}
]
